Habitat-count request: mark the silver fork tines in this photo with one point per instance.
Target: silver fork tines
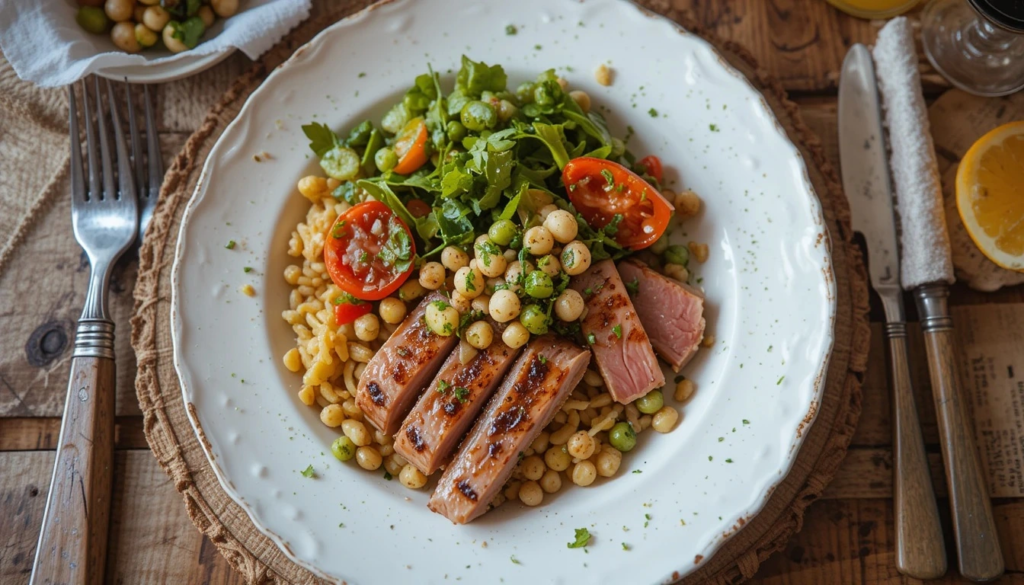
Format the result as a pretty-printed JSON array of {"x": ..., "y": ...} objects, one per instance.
[
  {"x": 105, "y": 218},
  {"x": 152, "y": 167}
]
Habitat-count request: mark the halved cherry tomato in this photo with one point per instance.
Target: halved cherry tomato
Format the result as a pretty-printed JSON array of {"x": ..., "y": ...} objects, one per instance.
[
  {"x": 349, "y": 309},
  {"x": 418, "y": 208},
  {"x": 601, "y": 189},
  {"x": 352, "y": 251},
  {"x": 653, "y": 166},
  {"x": 411, "y": 147}
]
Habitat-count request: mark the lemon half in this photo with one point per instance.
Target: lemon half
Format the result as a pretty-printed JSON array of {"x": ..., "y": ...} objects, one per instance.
[{"x": 990, "y": 195}]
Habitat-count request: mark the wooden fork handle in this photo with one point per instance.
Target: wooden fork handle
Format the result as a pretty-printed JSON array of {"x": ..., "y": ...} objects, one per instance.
[
  {"x": 977, "y": 543},
  {"x": 73, "y": 541},
  {"x": 920, "y": 550}
]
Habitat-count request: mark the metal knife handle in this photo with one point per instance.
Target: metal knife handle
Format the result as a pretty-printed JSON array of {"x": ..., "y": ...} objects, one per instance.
[
  {"x": 977, "y": 543},
  {"x": 920, "y": 550}
]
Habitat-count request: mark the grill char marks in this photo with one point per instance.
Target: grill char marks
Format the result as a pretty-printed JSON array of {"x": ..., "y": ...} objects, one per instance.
[
  {"x": 453, "y": 399},
  {"x": 621, "y": 347},
  {"x": 523, "y": 405},
  {"x": 397, "y": 373}
]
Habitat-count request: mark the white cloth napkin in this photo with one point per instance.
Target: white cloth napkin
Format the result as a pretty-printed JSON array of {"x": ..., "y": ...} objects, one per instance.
[
  {"x": 45, "y": 45},
  {"x": 925, "y": 253}
]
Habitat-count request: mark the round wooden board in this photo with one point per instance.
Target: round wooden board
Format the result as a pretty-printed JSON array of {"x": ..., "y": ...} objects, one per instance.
[{"x": 179, "y": 451}]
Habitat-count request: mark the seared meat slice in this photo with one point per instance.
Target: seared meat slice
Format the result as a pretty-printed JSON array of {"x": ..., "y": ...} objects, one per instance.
[
  {"x": 397, "y": 373},
  {"x": 444, "y": 412},
  {"x": 527, "y": 400},
  {"x": 621, "y": 348},
  {"x": 671, "y": 312}
]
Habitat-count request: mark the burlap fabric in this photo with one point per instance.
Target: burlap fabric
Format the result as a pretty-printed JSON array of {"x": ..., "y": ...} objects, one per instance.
[{"x": 179, "y": 451}]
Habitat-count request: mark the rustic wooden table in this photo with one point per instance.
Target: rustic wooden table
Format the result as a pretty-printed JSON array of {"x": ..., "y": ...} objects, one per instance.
[{"x": 847, "y": 536}]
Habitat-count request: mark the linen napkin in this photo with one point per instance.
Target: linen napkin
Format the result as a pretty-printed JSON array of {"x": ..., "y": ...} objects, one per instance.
[
  {"x": 925, "y": 251},
  {"x": 45, "y": 45}
]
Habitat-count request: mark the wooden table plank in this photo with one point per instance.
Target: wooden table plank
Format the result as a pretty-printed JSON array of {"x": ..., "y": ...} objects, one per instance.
[
  {"x": 152, "y": 539},
  {"x": 38, "y": 434},
  {"x": 851, "y": 541}
]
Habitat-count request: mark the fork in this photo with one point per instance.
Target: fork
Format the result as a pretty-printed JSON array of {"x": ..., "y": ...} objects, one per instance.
[{"x": 73, "y": 540}]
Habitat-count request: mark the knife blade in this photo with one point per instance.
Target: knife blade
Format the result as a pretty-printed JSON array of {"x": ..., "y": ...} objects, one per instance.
[{"x": 920, "y": 551}]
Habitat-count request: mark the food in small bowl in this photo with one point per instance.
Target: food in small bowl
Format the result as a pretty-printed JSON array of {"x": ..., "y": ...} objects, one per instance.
[
  {"x": 135, "y": 25},
  {"x": 484, "y": 287}
]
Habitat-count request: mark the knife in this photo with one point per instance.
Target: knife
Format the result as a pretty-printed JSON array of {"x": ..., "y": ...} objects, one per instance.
[{"x": 920, "y": 550}]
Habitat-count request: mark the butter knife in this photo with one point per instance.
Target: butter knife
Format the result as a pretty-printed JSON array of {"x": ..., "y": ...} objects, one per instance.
[{"x": 920, "y": 551}]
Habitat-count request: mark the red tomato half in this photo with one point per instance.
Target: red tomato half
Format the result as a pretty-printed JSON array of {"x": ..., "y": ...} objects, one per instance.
[
  {"x": 418, "y": 208},
  {"x": 653, "y": 166},
  {"x": 346, "y": 311},
  {"x": 352, "y": 251},
  {"x": 411, "y": 147},
  {"x": 601, "y": 189}
]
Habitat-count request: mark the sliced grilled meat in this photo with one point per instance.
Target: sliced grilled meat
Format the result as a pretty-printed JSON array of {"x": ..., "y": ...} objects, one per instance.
[
  {"x": 397, "y": 373},
  {"x": 621, "y": 348},
  {"x": 671, "y": 312},
  {"x": 451, "y": 402},
  {"x": 527, "y": 400}
]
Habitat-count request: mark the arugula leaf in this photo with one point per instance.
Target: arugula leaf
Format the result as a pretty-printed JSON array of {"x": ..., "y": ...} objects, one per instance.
[
  {"x": 321, "y": 138},
  {"x": 453, "y": 223},
  {"x": 373, "y": 144},
  {"x": 477, "y": 77},
  {"x": 498, "y": 173},
  {"x": 456, "y": 179},
  {"x": 552, "y": 137},
  {"x": 513, "y": 204},
  {"x": 360, "y": 135},
  {"x": 397, "y": 250},
  {"x": 582, "y": 539}
]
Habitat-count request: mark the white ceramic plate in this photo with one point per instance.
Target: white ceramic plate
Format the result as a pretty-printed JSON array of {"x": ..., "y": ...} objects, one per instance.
[{"x": 771, "y": 303}]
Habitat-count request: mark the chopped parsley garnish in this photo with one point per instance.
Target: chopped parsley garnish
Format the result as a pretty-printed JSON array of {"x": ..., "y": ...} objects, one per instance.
[
  {"x": 397, "y": 252},
  {"x": 511, "y": 29},
  {"x": 308, "y": 472},
  {"x": 362, "y": 74},
  {"x": 440, "y": 305},
  {"x": 608, "y": 177},
  {"x": 514, "y": 560},
  {"x": 637, "y": 471},
  {"x": 728, "y": 460},
  {"x": 231, "y": 245},
  {"x": 746, "y": 422},
  {"x": 487, "y": 249},
  {"x": 387, "y": 475},
  {"x": 448, "y": 329},
  {"x": 617, "y": 330},
  {"x": 780, "y": 381},
  {"x": 713, "y": 127},
  {"x": 461, "y": 394},
  {"x": 625, "y": 546},
  {"x": 247, "y": 269},
  {"x": 443, "y": 386},
  {"x": 542, "y": 359},
  {"x": 582, "y": 539},
  {"x": 363, "y": 258},
  {"x": 338, "y": 231},
  {"x": 591, "y": 339},
  {"x": 634, "y": 286},
  {"x": 652, "y": 113}
]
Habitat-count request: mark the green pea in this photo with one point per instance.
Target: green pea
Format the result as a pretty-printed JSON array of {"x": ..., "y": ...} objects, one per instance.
[
  {"x": 92, "y": 19},
  {"x": 543, "y": 96},
  {"x": 524, "y": 93},
  {"x": 660, "y": 245},
  {"x": 622, "y": 437},
  {"x": 343, "y": 448},
  {"x": 502, "y": 232},
  {"x": 651, "y": 403},
  {"x": 538, "y": 285},
  {"x": 677, "y": 255},
  {"x": 478, "y": 116},
  {"x": 385, "y": 159},
  {"x": 456, "y": 131},
  {"x": 534, "y": 319}
]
